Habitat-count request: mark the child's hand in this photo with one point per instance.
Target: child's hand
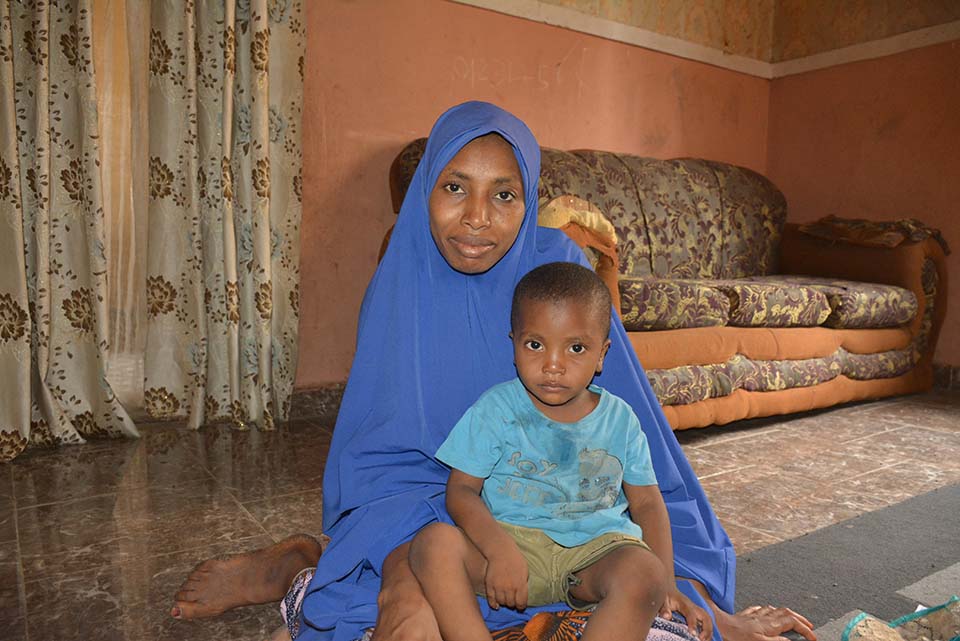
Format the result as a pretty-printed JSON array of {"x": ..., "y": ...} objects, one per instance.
[
  {"x": 698, "y": 620},
  {"x": 506, "y": 579}
]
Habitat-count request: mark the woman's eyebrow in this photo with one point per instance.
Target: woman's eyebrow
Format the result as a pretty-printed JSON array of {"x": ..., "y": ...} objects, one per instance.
[
  {"x": 457, "y": 174},
  {"x": 503, "y": 180}
]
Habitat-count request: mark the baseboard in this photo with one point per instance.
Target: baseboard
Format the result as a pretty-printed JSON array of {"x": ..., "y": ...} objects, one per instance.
[
  {"x": 321, "y": 403},
  {"x": 946, "y": 378}
]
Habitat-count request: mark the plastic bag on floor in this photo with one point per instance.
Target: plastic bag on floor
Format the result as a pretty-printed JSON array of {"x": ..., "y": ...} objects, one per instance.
[{"x": 939, "y": 623}]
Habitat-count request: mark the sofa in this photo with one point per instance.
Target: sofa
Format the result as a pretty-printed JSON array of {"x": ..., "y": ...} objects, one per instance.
[{"x": 733, "y": 312}]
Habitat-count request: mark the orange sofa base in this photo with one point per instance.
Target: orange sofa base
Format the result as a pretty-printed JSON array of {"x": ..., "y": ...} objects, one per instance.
[
  {"x": 710, "y": 345},
  {"x": 742, "y": 404}
]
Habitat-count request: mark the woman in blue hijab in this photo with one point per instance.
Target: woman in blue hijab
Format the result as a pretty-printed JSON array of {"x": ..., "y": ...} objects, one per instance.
[{"x": 433, "y": 335}]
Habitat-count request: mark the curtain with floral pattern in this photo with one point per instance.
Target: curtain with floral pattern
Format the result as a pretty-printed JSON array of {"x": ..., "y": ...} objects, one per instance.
[
  {"x": 52, "y": 260},
  {"x": 225, "y": 94}
]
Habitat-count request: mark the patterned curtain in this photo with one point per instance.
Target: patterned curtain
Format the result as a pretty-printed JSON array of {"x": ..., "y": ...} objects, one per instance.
[
  {"x": 225, "y": 93},
  {"x": 52, "y": 262}
]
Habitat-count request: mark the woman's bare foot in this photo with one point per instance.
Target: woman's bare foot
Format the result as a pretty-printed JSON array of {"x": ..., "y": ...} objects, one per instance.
[
  {"x": 263, "y": 576},
  {"x": 280, "y": 634}
]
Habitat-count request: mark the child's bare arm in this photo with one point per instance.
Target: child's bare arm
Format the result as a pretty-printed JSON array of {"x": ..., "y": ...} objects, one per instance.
[
  {"x": 648, "y": 510},
  {"x": 506, "y": 576}
]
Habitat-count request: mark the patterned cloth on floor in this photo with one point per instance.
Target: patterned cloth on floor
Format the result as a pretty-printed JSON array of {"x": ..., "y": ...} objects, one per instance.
[
  {"x": 568, "y": 625},
  {"x": 292, "y": 604}
]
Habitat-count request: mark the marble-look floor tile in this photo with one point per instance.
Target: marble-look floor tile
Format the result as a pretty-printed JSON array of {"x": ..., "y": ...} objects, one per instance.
[
  {"x": 830, "y": 466},
  {"x": 800, "y": 516},
  {"x": 858, "y": 498},
  {"x": 12, "y": 611},
  {"x": 297, "y": 513},
  {"x": 768, "y": 450},
  {"x": 859, "y": 406},
  {"x": 745, "y": 539},
  {"x": 8, "y": 522},
  {"x": 706, "y": 463},
  {"x": 6, "y": 481},
  {"x": 696, "y": 437},
  {"x": 905, "y": 443},
  {"x": 15, "y": 630},
  {"x": 835, "y": 428},
  {"x": 76, "y": 536},
  {"x": 765, "y": 499},
  {"x": 131, "y": 601},
  {"x": 895, "y": 483},
  {"x": 109, "y": 530},
  {"x": 9, "y": 552},
  {"x": 307, "y": 426},
  {"x": 101, "y": 467},
  {"x": 257, "y": 465},
  {"x": 941, "y": 412}
]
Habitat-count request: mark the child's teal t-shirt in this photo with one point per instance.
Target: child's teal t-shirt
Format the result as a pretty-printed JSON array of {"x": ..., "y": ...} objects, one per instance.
[{"x": 562, "y": 478}]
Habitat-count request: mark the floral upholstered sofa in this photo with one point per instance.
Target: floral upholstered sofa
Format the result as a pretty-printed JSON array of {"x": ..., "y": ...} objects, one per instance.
[{"x": 733, "y": 312}]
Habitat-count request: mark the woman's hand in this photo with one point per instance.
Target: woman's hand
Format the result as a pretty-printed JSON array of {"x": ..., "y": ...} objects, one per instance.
[
  {"x": 764, "y": 623},
  {"x": 506, "y": 578},
  {"x": 698, "y": 620}
]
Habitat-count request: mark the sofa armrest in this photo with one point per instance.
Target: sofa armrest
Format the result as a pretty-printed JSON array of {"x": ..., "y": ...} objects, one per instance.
[
  {"x": 606, "y": 264},
  {"x": 917, "y": 266}
]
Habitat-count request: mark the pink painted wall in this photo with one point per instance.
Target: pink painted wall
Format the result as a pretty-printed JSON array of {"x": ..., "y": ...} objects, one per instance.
[
  {"x": 379, "y": 73},
  {"x": 876, "y": 139}
]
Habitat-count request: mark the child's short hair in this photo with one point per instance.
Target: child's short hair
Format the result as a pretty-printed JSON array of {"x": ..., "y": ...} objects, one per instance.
[{"x": 561, "y": 282}]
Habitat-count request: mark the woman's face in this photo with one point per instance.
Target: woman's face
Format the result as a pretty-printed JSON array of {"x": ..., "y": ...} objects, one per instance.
[{"x": 476, "y": 207}]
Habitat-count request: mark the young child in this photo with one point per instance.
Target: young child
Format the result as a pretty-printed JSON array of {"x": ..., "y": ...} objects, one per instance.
[{"x": 545, "y": 468}]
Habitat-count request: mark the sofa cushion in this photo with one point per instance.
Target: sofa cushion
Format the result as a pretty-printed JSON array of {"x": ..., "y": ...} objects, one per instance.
[
  {"x": 855, "y": 305},
  {"x": 682, "y": 217},
  {"x": 693, "y": 383},
  {"x": 865, "y": 367},
  {"x": 773, "y": 303},
  {"x": 667, "y": 303},
  {"x": 754, "y": 212},
  {"x": 690, "y": 384},
  {"x": 768, "y": 301}
]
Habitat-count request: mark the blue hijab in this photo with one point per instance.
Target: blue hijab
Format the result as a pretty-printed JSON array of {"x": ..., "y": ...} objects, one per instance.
[{"x": 430, "y": 341}]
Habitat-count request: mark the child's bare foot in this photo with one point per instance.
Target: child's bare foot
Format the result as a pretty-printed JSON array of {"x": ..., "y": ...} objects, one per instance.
[{"x": 263, "y": 576}]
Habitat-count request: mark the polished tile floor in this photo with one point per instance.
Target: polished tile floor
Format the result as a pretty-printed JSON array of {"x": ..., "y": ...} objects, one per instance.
[{"x": 95, "y": 539}]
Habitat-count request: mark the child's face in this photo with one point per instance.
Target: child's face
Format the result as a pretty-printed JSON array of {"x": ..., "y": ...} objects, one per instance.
[{"x": 558, "y": 348}]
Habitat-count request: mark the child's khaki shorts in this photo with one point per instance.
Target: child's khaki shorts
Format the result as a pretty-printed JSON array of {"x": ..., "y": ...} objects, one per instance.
[{"x": 552, "y": 566}]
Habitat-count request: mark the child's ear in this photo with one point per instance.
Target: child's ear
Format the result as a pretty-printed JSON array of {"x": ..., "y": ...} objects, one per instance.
[{"x": 603, "y": 354}]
